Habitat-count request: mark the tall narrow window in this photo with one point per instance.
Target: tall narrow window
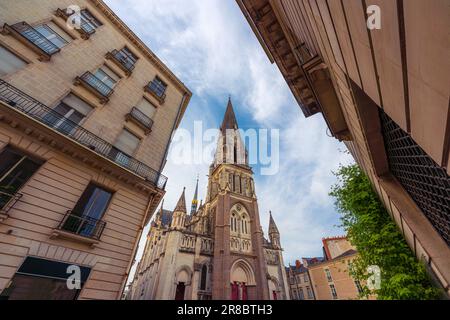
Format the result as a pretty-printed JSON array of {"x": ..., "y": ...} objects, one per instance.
[
  {"x": 127, "y": 142},
  {"x": 9, "y": 62},
  {"x": 333, "y": 291},
  {"x": 107, "y": 76},
  {"x": 88, "y": 212},
  {"x": 147, "y": 108},
  {"x": 89, "y": 20},
  {"x": 54, "y": 34},
  {"x": 16, "y": 168},
  {"x": 71, "y": 111},
  {"x": 158, "y": 87},
  {"x": 203, "y": 278},
  {"x": 328, "y": 274}
]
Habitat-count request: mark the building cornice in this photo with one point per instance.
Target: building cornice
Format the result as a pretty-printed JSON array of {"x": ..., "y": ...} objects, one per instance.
[{"x": 132, "y": 37}]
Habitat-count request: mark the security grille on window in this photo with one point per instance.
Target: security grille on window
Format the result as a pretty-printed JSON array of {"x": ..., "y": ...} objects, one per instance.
[{"x": 427, "y": 183}]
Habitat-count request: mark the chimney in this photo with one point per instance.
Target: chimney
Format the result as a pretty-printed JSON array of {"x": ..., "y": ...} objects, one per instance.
[{"x": 298, "y": 264}]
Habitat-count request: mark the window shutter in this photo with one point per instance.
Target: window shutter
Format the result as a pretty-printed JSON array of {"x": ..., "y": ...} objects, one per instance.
[
  {"x": 147, "y": 108},
  {"x": 77, "y": 104},
  {"x": 127, "y": 142}
]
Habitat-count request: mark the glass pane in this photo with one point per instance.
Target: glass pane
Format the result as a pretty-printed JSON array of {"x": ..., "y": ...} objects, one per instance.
[
  {"x": 93, "y": 202},
  {"x": 35, "y": 288},
  {"x": 51, "y": 35},
  {"x": 17, "y": 178},
  {"x": 8, "y": 158}
]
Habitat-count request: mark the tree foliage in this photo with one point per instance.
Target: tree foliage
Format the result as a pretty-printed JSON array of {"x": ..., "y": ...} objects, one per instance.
[{"x": 372, "y": 231}]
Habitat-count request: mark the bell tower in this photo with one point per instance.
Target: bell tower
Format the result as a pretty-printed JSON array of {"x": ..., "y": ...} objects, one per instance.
[{"x": 239, "y": 268}]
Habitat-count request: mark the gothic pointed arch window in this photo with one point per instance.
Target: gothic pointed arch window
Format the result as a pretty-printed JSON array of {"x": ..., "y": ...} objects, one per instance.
[{"x": 234, "y": 222}]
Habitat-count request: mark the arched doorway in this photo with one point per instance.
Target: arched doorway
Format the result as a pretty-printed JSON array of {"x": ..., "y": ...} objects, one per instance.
[
  {"x": 274, "y": 291},
  {"x": 241, "y": 277},
  {"x": 183, "y": 279}
]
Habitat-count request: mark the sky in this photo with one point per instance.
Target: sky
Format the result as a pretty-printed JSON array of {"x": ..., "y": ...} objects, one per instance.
[{"x": 209, "y": 45}]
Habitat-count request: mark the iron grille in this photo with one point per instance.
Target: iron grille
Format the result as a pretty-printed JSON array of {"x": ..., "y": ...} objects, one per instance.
[
  {"x": 97, "y": 84},
  {"x": 22, "y": 102},
  {"x": 82, "y": 225},
  {"x": 141, "y": 117},
  {"x": 427, "y": 183}
]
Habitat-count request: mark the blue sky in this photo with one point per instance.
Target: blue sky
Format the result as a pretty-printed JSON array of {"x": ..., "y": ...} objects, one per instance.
[{"x": 209, "y": 45}]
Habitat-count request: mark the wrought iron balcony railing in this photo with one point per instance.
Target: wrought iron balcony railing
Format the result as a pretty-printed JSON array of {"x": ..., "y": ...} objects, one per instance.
[
  {"x": 124, "y": 61},
  {"x": 22, "y": 102},
  {"x": 141, "y": 119},
  {"x": 95, "y": 85},
  {"x": 82, "y": 225},
  {"x": 8, "y": 200},
  {"x": 85, "y": 29},
  {"x": 32, "y": 38}
]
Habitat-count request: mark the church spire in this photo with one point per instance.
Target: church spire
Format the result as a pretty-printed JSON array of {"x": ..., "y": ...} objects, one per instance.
[
  {"x": 272, "y": 225},
  {"x": 181, "y": 205},
  {"x": 229, "y": 120},
  {"x": 195, "y": 200}
]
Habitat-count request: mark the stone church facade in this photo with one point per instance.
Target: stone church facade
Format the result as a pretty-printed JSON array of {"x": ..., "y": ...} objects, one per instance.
[{"x": 218, "y": 250}]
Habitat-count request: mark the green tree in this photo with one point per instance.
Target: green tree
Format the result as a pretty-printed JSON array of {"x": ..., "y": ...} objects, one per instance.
[{"x": 372, "y": 231}]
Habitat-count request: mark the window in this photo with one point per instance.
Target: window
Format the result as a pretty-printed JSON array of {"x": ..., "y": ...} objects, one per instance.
[
  {"x": 89, "y": 21},
  {"x": 333, "y": 291},
  {"x": 16, "y": 169},
  {"x": 158, "y": 87},
  {"x": 93, "y": 202},
  {"x": 203, "y": 278},
  {"x": 54, "y": 34},
  {"x": 301, "y": 295},
  {"x": 328, "y": 274},
  {"x": 9, "y": 62},
  {"x": 147, "y": 108},
  {"x": 127, "y": 58},
  {"x": 85, "y": 218},
  {"x": 234, "y": 222},
  {"x": 310, "y": 294},
  {"x": 294, "y": 294},
  {"x": 305, "y": 277},
  {"x": 40, "y": 279},
  {"x": 107, "y": 76},
  {"x": 72, "y": 111},
  {"x": 127, "y": 142}
]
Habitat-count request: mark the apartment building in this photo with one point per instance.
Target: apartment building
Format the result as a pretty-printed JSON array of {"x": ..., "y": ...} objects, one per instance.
[
  {"x": 331, "y": 276},
  {"x": 299, "y": 282},
  {"x": 87, "y": 112},
  {"x": 378, "y": 71}
]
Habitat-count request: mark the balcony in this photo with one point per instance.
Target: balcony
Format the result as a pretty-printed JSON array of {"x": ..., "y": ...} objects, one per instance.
[
  {"x": 30, "y": 37},
  {"x": 85, "y": 30},
  {"x": 141, "y": 119},
  {"x": 80, "y": 228},
  {"x": 27, "y": 105},
  {"x": 7, "y": 201},
  {"x": 122, "y": 60},
  {"x": 157, "y": 90},
  {"x": 95, "y": 86}
]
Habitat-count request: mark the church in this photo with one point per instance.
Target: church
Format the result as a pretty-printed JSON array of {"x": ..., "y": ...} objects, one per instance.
[{"x": 217, "y": 250}]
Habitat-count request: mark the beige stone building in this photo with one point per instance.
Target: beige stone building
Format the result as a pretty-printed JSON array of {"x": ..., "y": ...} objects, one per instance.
[
  {"x": 383, "y": 91},
  {"x": 218, "y": 250},
  {"x": 86, "y": 116},
  {"x": 331, "y": 278},
  {"x": 300, "y": 285}
]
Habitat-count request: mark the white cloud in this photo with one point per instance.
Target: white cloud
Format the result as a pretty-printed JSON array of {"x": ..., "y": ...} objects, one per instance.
[{"x": 210, "y": 46}]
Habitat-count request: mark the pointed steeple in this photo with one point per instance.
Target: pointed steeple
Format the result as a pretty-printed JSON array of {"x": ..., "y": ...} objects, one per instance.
[
  {"x": 229, "y": 120},
  {"x": 181, "y": 205},
  {"x": 272, "y": 225},
  {"x": 195, "y": 200}
]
